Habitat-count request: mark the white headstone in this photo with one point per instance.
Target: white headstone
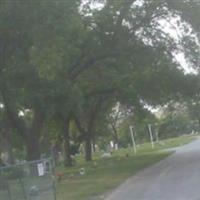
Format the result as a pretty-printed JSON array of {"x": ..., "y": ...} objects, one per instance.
[
  {"x": 111, "y": 144},
  {"x": 40, "y": 168}
]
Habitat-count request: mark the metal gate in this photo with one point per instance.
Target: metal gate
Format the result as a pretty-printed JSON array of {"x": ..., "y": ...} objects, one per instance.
[{"x": 28, "y": 181}]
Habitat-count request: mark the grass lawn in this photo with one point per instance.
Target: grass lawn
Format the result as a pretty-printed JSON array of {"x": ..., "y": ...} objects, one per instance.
[{"x": 104, "y": 174}]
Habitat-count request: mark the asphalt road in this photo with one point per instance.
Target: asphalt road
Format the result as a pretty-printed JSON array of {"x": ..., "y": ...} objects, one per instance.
[{"x": 175, "y": 178}]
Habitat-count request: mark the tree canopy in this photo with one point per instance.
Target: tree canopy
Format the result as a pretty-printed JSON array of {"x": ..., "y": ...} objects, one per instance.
[{"x": 64, "y": 61}]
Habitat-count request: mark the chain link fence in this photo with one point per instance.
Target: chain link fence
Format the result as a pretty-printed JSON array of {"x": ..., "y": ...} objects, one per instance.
[{"x": 28, "y": 181}]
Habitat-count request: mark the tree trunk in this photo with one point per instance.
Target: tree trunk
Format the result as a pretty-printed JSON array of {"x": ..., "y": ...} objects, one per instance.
[
  {"x": 66, "y": 144},
  {"x": 88, "y": 148},
  {"x": 9, "y": 150},
  {"x": 116, "y": 139},
  {"x": 32, "y": 147},
  {"x": 32, "y": 151},
  {"x": 7, "y": 145},
  {"x": 33, "y": 136},
  {"x": 115, "y": 136}
]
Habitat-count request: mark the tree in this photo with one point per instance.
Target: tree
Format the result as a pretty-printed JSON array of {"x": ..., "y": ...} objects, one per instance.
[
  {"x": 7, "y": 142},
  {"x": 50, "y": 57},
  {"x": 115, "y": 117},
  {"x": 87, "y": 118},
  {"x": 132, "y": 36}
]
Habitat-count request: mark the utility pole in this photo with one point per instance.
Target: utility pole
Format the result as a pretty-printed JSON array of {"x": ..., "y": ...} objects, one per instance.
[
  {"x": 151, "y": 136},
  {"x": 157, "y": 139},
  {"x": 156, "y": 131},
  {"x": 133, "y": 139}
]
